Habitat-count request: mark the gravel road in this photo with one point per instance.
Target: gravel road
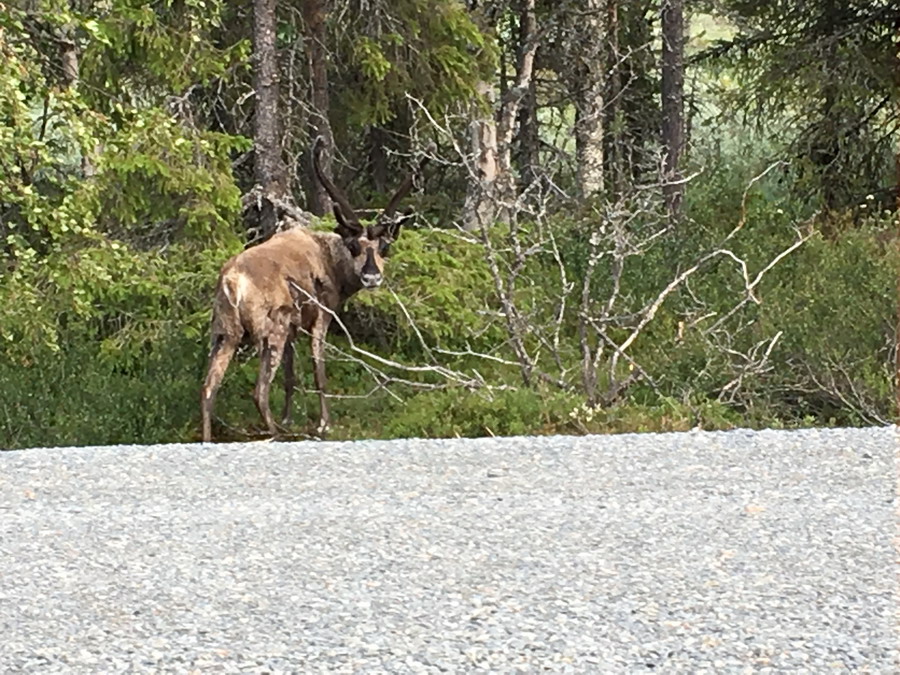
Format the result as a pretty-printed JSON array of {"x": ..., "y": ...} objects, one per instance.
[{"x": 716, "y": 552}]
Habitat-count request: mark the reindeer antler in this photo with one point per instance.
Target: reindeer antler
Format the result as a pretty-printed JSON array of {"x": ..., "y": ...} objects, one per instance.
[
  {"x": 406, "y": 185},
  {"x": 352, "y": 220}
]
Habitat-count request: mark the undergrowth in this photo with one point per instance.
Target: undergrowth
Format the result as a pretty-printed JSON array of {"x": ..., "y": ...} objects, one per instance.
[{"x": 118, "y": 358}]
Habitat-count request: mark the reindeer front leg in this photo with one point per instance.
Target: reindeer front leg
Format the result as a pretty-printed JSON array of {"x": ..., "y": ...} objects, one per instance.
[{"x": 319, "y": 331}]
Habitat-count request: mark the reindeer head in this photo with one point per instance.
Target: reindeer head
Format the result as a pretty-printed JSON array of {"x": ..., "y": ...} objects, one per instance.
[{"x": 368, "y": 245}]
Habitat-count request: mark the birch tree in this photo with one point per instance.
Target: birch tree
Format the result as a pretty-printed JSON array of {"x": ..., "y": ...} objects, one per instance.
[
  {"x": 492, "y": 191},
  {"x": 588, "y": 90}
]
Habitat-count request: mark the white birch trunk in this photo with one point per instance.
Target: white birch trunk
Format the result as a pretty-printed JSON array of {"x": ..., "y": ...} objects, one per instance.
[
  {"x": 589, "y": 101},
  {"x": 481, "y": 199}
]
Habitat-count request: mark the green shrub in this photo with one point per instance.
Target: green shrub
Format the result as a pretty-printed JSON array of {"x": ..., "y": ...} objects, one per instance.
[
  {"x": 831, "y": 304},
  {"x": 77, "y": 397},
  {"x": 457, "y": 413},
  {"x": 441, "y": 279}
]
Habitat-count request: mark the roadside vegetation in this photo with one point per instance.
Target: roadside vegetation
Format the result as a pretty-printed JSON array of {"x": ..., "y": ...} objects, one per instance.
[{"x": 752, "y": 283}]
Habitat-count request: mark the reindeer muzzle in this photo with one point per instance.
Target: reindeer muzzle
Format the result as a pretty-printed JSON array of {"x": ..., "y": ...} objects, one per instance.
[{"x": 371, "y": 280}]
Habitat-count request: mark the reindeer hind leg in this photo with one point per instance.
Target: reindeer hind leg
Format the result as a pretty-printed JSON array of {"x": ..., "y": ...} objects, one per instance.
[
  {"x": 223, "y": 349},
  {"x": 290, "y": 378},
  {"x": 270, "y": 352}
]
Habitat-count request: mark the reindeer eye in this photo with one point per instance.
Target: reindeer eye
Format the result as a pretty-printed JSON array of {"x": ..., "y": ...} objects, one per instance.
[{"x": 384, "y": 248}]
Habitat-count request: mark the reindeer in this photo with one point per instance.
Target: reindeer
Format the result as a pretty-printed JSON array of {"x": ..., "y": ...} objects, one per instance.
[{"x": 296, "y": 281}]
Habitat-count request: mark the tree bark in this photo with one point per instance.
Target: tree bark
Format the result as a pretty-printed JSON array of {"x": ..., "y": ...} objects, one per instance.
[
  {"x": 68, "y": 56},
  {"x": 492, "y": 195},
  {"x": 509, "y": 109},
  {"x": 315, "y": 14},
  {"x": 614, "y": 116},
  {"x": 639, "y": 98},
  {"x": 672, "y": 18},
  {"x": 528, "y": 139},
  {"x": 480, "y": 207},
  {"x": 589, "y": 89},
  {"x": 70, "y": 73},
  {"x": 826, "y": 150},
  {"x": 269, "y": 168}
]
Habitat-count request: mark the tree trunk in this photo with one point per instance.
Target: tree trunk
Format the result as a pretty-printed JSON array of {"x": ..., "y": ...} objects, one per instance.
[
  {"x": 68, "y": 55},
  {"x": 672, "y": 104},
  {"x": 589, "y": 88},
  {"x": 826, "y": 149},
  {"x": 509, "y": 110},
  {"x": 614, "y": 115},
  {"x": 639, "y": 97},
  {"x": 70, "y": 72},
  {"x": 492, "y": 195},
  {"x": 270, "y": 172},
  {"x": 315, "y": 14},
  {"x": 480, "y": 207},
  {"x": 528, "y": 139}
]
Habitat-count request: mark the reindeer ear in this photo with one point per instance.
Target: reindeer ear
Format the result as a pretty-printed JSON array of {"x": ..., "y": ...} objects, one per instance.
[
  {"x": 347, "y": 232},
  {"x": 352, "y": 244},
  {"x": 388, "y": 229},
  {"x": 408, "y": 217}
]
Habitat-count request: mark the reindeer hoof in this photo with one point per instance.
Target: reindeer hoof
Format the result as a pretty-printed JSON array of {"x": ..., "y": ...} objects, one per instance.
[{"x": 322, "y": 429}]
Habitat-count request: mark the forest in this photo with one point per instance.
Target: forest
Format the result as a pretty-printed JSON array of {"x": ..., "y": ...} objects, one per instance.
[{"x": 635, "y": 216}]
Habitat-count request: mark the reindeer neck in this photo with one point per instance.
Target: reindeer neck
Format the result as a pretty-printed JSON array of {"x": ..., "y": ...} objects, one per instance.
[{"x": 341, "y": 269}]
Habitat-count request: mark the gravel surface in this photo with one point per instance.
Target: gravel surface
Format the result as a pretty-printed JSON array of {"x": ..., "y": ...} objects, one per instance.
[{"x": 697, "y": 552}]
